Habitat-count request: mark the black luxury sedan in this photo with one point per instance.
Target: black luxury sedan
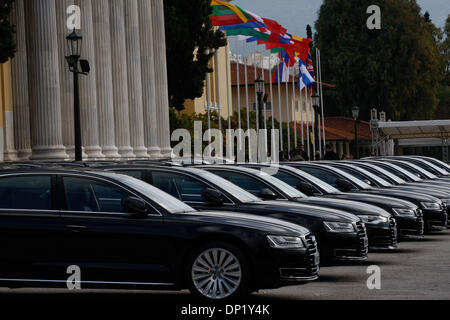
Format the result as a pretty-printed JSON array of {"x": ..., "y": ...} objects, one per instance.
[
  {"x": 434, "y": 210},
  {"x": 340, "y": 235},
  {"x": 381, "y": 225},
  {"x": 408, "y": 216},
  {"x": 124, "y": 233}
]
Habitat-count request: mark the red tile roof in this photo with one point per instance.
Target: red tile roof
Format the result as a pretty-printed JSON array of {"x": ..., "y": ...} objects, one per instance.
[{"x": 342, "y": 129}]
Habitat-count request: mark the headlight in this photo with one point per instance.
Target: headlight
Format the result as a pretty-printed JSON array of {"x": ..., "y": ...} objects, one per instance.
[
  {"x": 404, "y": 212},
  {"x": 339, "y": 226},
  {"x": 431, "y": 205},
  {"x": 282, "y": 242},
  {"x": 374, "y": 219}
]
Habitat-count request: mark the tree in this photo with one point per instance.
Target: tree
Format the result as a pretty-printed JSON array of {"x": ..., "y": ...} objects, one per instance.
[
  {"x": 191, "y": 42},
  {"x": 396, "y": 69},
  {"x": 7, "y": 31},
  {"x": 443, "y": 110}
]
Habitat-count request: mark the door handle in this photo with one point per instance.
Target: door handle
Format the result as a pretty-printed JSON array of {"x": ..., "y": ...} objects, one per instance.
[{"x": 76, "y": 228}]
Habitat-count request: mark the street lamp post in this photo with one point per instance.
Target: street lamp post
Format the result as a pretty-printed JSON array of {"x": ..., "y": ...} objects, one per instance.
[
  {"x": 315, "y": 98},
  {"x": 259, "y": 86},
  {"x": 355, "y": 113},
  {"x": 74, "y": 43}
]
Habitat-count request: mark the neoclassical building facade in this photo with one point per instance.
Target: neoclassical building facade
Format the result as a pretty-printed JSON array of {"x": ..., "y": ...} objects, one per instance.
[{"x": 123, "y": 100}]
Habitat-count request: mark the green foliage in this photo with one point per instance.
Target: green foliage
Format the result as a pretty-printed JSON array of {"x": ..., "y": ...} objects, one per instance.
[
  {"x": 443, "y": 111},
  {"x": 7, "y": 31},
  {"x": 397, "y": 69},
  {"x": 191, "y": 41}
]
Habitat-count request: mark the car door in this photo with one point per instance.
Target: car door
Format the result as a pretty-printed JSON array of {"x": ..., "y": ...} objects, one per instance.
[
  {"x": 30, "y": 228},
  {"x": 104, "y": 241}
]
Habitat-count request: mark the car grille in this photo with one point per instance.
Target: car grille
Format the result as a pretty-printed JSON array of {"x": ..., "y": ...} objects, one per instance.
[
  {"x": 393, "y": 229},
  {"x": 311, "y": 246},
  {"x": 362, "y": 236}
]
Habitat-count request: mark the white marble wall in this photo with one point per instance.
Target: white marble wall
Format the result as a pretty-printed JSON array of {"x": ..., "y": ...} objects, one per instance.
[{"x": 124, "y": 100}]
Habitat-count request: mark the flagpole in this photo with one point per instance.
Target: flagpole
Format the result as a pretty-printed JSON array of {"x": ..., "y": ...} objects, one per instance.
[
  {"x": 280, "y": 118},
  {"x": 319, "y": 126},
  {"x": 313, "y": 130},
  {"x": 218, "y": 90},
  {"x": 256, "y": 97},
  {"x": 208, "y": 101},
  {"x": 271, "y": 104},
  {"x": 238, "y": 78},
  {"x": 321, "y": 101},
  {"x": 288, "y": 119},
  {"x": 301, "y": 110},
  {"x": 308, "y": 108},
  {"x": 294, "y": 111},
  {"x": 246, "y": 95},
  {"x": 228, "y": 76},
  {"x": 264, "y": 104}
]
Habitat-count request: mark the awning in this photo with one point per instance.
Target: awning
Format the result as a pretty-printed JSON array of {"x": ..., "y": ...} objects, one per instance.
[{"x": 415, "y": 129}]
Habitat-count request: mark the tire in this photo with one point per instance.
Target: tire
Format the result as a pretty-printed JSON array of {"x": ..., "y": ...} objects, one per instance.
[{"x": 218, "y": 271}]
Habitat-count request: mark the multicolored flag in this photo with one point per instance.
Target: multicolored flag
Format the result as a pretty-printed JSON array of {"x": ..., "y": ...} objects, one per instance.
[
  {"x": 225, "y": 13},
  {"x": 305, "y": 79}
]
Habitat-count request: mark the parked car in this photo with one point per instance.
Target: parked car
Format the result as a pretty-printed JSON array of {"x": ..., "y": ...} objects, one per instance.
[
  {"x": 434, "y": 211},
  {"x": 340, "y": 235},
  {"x": 408, "y": 216},
  {"x": 381, "y": 226},
  {"x": 124, "y": 233}
]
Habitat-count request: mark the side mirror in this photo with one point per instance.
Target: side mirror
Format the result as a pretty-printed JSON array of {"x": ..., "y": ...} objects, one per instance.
[
  {"x": 368, "y": 182},
  {"x": 135, "y": 208},
  {"x": 212, "y": 196},
  {"x": 306, "y": 188},
  {"x": 267, "y": 194},
  {"x": 344, "y": 185}
]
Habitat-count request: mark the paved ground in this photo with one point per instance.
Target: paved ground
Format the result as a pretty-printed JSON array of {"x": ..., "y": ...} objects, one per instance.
[{"x": 417, "y": 270}]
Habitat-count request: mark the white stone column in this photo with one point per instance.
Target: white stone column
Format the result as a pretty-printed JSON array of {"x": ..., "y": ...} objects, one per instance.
[
  {"x": 43, "y": 80},
  {"x": 161, "y": 86},
  {"x": 104, "y": 85},
  {"x": 148, "y": 79},
  {"x": 10, "y": 152},
  {"x": 134, "y": 78},
  {"x": 20, "y": 85},
  {"x": 120, "y": 87},
  {"x": 88, "y": 90}
]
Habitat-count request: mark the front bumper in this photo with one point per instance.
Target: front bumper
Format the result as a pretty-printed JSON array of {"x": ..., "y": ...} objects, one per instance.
[
  {"x": 290, "y": 266},
  {"x": 348, "y": 246},
  {"x": 435, "y": 220},
  {"x": 410, "y": 227},
  {"x": 382, "y": 236}
]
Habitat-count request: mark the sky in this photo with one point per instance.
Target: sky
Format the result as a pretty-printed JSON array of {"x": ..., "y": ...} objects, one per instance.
[{"x": 296, "y": 14}]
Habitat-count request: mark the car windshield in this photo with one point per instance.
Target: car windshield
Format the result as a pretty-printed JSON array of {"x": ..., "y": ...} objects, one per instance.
[
  {"x": 394, "y": 168},
  {"x": 372, "y": 176},
  {"x": 433, "y": 166},
  {"x": 281, "y": 185},
  {"x": 424, "y": 172},
  {"x": 385, "y": 172},
  {"x": 165, "y": 200},
  {"x": 328, "y": 188},
  {"x": 239, "y": 193},
  {"x": 359, "y": 183}
]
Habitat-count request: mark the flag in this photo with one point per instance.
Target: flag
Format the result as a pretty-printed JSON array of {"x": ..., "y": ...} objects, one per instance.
[
  {"x": 305, "y": 78},
  {"x": 283, "y": 74},
  {"x": 310, "y": 66},
  {"x": 225, "y": 13}
]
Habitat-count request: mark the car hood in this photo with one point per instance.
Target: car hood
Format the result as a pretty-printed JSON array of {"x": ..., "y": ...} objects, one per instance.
[
  {"x": 437, "y": 191},
  {"x": 406, "y": 195},
  {"x": 314, "y": 212},
  {"x": 260, "y": 223},
  {"x": 375, "y": 199},
  {"x": 354, "y": 207}
]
